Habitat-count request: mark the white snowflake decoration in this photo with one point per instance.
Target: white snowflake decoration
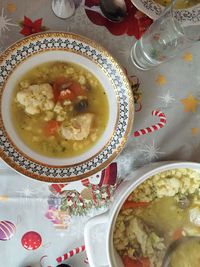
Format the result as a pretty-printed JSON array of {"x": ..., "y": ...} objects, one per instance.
[
  {"x": 5, "y": 22},
  {"x": 31, "y": 197},
  {"x": 26, "y": 192},
  {"x": 167, "y": 99},
  {"x": 150, "y": 152}
]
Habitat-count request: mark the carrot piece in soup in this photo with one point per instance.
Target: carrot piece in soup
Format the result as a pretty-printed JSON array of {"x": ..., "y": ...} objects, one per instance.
[
  {"x": 60, "y": 84},
  {"x": 178, "y": 233},
  {"x": 142, "y": 262},
  {"x": 51, "y": 127},
  {"x": 134, "y": 205},
  {"x": 56, "y": 94},
  {"x": 77, "y": 89},
  {"x": 66, "y": 89},
  {"x": 145, "y": 262},
  {"x": 128, "y": 262}
]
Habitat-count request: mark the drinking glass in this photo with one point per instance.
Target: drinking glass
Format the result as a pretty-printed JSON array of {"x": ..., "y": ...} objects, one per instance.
[
  {"x": 164, "y": 39},
  {"x": 63, "y": 8}
]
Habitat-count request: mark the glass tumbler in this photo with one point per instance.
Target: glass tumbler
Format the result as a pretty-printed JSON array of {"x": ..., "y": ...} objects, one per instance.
[
  {"x": 63, "y": 8},
  {"x": 164, "y": 39}
]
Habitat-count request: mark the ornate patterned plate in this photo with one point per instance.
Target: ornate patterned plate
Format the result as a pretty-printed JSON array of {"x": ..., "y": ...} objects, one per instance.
[
  {"x": 189, "y": 16},
  {"x": 52, "y": 46}
]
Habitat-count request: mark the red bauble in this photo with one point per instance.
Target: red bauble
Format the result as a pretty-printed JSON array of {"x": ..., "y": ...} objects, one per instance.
[{"x": 31, "y": 240}]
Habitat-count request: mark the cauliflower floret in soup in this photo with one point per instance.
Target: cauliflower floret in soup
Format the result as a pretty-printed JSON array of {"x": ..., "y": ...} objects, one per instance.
[
  {"x": 36, "y": 98},
  {"x": 79, "y": 128}
]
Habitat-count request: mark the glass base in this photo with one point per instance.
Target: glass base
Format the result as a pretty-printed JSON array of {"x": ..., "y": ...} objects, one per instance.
[{"x": 138, "y": 58}]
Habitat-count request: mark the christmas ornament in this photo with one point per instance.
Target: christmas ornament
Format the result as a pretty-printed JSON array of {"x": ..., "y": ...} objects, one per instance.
[
  {"x": 31, "y": 240},
  {"x": 7, "y": 230}
]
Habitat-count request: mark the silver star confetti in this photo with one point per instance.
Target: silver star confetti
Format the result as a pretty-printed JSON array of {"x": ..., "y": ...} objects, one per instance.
[
  {"x": 167, "y": 99},
  {"x": 5, "y": 22}
]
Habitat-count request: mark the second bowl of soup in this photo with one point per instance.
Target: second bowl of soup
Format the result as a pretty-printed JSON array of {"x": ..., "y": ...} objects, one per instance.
[{"x": 158, "y": 205}]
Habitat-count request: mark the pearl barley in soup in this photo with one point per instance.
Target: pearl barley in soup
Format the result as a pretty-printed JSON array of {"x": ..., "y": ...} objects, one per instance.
[{"x": 59, "y": 109}]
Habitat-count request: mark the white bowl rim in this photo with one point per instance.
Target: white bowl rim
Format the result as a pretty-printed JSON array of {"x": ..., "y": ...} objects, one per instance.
[
  {"x": 131, "y": 107},
  {"x": 153, "y": 10}
]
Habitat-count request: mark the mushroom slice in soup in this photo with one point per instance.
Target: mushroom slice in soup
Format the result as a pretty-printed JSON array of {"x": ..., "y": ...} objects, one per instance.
[{"x": 79, "y": 127}]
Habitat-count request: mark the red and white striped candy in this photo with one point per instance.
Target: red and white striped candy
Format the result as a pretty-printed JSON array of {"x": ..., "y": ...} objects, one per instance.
[
  {"x": 154, "y": 127},
  {"x": 70, "y": 254}
]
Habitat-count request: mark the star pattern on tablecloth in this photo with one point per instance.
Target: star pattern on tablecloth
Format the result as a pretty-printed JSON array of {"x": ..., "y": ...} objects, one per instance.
[
  {"x": 190, "y": 103},
  {"x": 150, "y": 151},
  {"x": 161, "y": 80},
  {"x": 5, "y": 22},
  {"x": 29, "y": 196},
  {"x": 11, "y": 7},
  {"x": 187, "y": 56},
  {"x": 195, "y": 131},
  {"x": 167, "y": 99},
  {"x": 26, "y": 192},
  {"x": 3, "y": 198}
]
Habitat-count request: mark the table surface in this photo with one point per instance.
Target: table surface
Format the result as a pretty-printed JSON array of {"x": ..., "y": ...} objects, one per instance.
[{"x": 173, "y": 88}]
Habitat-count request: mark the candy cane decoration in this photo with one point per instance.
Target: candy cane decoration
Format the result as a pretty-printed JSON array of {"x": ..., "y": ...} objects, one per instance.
[
  {"x": 154, "y": 127},
  {"x": 70, "y": 254}
]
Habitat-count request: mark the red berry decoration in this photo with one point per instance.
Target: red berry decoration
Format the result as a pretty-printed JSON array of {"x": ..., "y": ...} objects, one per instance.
[{"x": 31, "y": 240}]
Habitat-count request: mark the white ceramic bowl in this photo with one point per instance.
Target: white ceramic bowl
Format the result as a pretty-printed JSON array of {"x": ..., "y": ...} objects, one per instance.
[
  {"x": 99, "y": 247},
  {"x": 67, "y": 47},
  {"x": 189, "y": 16}
]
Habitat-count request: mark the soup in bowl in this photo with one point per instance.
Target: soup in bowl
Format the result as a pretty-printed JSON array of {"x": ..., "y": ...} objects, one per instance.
[
  {"x": 158, "y": 205},
  {"x": 186, "y": 11},
  {"x": 59, "y": 109},
  {"x": 66, "y": 107},
  {"x": 161, "y": 210}
]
